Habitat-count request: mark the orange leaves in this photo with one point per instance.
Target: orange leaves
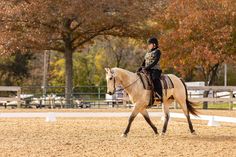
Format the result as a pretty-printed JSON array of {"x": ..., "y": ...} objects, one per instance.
[
  {"x": 201, "y": 37},
  {"x": 46, "y": 24}
]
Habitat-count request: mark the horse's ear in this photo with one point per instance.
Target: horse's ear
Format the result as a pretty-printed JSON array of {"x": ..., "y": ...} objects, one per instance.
[{"x": 107, "y": 70}]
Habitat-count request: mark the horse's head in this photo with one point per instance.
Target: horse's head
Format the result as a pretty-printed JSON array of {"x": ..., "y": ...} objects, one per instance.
[{"x": 111, "y": 81}]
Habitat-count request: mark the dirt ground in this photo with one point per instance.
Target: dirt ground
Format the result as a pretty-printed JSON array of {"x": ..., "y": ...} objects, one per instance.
[{"x": 101, "y": 137}]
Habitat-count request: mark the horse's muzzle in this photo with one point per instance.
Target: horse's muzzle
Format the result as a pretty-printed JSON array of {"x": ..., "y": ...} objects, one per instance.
[{"x": 110, "y": 93}]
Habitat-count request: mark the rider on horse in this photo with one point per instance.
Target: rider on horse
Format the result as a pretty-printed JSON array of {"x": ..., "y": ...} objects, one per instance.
[{"x": 151, "y": 65}]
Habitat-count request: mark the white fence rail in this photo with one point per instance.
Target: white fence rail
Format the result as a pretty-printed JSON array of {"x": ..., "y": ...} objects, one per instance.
[
  {"x": 217, "y": 94},
  {"x": 51, "y": 116},
  {"x": 16, "y": 98}
]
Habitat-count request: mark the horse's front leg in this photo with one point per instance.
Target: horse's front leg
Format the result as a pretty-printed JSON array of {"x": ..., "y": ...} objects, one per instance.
[
  {"x": 131, "y": 118},
  {"x": 147, "y": 118},
  {"x": 165, "y": 109}
]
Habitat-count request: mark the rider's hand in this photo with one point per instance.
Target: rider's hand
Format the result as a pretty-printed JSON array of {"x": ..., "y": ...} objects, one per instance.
[
  {"x": 139, "y": 69},
  {"x": 144, "y": 70}
]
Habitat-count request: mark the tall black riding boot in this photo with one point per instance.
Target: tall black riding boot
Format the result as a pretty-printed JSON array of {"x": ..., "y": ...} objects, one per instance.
[{"x": 158, "y": 88}]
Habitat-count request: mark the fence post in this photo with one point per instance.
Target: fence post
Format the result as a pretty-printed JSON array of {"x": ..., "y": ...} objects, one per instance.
[
  {"x": 213, "y": 96},
  {"x": 230, "y": 102},
  {"x": 99, "y": 93},
  {"x": 19, "y": 100},
  {"x": 205, "y": 95}
]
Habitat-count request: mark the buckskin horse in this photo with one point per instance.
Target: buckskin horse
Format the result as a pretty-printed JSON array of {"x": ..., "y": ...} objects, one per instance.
[{"x": 140, "y": 97}]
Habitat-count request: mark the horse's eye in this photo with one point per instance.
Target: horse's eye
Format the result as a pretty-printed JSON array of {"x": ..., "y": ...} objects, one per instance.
[{"x": 110, "y": 78}]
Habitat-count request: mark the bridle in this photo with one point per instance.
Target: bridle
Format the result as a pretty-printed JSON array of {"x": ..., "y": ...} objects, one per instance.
[{"x": 125, "y": 86}]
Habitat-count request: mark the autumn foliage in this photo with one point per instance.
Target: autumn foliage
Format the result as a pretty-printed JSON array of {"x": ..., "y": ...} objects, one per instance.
[{"x": 201, "y": 36}]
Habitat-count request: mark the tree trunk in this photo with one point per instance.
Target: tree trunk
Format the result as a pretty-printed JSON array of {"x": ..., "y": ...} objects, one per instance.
[
  {"x": 68, "y": 75},
  {"x": 210, "y": 82},
  {"x": 46, "y": 62},
  {"x": 205, "y": 103}
]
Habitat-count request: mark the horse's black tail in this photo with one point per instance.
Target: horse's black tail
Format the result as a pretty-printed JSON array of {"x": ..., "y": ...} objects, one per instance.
[{"x": 189, "y": 104}]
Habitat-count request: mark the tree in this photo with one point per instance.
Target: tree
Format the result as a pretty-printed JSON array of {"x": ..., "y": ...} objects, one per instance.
[
  {"x": 66, "y": 25},
  {"x": 124, "y": 52},
  {"x": 200, "y": 38},
  {"x": 15, "y": 68},
  {"x": 90, "y": 62}
]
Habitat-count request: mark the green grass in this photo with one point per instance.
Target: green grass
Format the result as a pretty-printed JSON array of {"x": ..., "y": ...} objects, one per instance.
[{"x": 217, "y": 106}]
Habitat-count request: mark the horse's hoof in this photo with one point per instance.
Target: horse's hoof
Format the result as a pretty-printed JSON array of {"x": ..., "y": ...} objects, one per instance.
[
  {"x": 156, "y": 134},
  {"x": 194, "y": 133},
  {"x": 162, "y": 134},
  {"x": 124, "y": 135}
]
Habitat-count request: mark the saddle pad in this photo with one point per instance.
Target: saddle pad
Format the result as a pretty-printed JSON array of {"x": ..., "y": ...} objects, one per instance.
[
  {"x": 145, "y": 81},
  {"x": 166, "y": 83}
]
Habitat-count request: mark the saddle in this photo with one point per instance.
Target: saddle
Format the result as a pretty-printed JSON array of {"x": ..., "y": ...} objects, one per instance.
[{"x": 148, "y": 84}]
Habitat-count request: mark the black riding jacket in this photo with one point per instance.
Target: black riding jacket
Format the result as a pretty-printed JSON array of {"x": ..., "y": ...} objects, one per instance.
[{"x": 152, "y": 59}]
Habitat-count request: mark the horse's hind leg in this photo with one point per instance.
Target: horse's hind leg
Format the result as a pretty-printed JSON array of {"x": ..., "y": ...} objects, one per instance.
[
  {"x": 190, "y": 124},
  {"x": 183, "y": 104},
  {"x": 131, "y": 118},
  {"x": 165, "y": 109},
  {"x": 147, "y": 118}
]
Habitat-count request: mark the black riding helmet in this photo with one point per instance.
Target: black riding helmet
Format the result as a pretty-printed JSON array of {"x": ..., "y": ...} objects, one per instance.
[{"x": 153, "y": 40}]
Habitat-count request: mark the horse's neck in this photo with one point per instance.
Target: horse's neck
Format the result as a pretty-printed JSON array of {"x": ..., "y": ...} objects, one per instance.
[{"x": 127, "y": 78}]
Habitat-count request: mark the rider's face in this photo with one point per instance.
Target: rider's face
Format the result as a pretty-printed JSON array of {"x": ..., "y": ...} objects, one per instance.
[{"x": 150, "y": 46}]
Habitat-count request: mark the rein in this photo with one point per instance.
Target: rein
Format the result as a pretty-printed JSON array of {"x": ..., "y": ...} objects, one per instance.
[{"x": 126, "y": 86}]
